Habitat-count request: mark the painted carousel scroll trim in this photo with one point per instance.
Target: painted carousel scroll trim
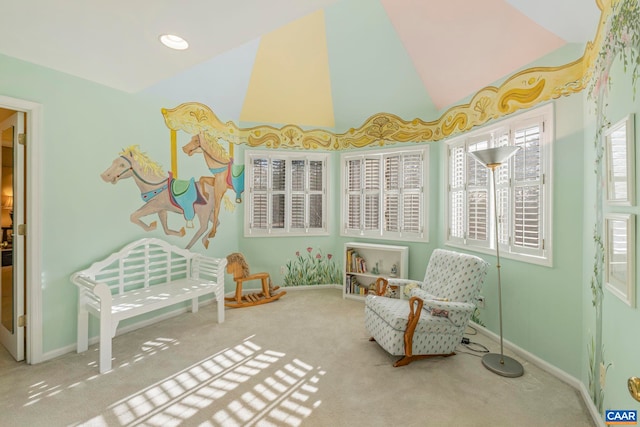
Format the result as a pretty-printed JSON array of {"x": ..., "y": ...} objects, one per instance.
[
  {"x": 522, "y": 90},
  {"x": 270, "y": 140}
]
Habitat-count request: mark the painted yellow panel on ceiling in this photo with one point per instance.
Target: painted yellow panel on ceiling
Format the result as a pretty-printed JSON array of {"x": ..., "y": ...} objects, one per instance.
[{"x": 290, "y": 81}]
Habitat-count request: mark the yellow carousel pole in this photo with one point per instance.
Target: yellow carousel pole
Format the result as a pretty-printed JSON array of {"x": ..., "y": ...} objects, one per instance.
[{"x": 174, "y": 151}]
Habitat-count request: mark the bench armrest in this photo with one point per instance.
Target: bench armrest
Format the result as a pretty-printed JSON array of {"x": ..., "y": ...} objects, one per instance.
[
  {"x": 91, "y": 289},
  {"x": 208, "y": 268}
]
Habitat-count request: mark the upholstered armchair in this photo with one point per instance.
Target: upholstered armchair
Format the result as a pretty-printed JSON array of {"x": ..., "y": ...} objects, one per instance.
[{"x": 433, "y": 320}]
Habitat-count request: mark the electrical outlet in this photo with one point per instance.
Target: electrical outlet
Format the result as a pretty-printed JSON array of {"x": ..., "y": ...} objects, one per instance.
[
  {"x": 480, "y": 301},
  {"x": 282, "y": 271}
]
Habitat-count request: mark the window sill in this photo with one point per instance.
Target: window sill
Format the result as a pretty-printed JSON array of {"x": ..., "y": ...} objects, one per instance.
[{"x": 542, "y": 261}]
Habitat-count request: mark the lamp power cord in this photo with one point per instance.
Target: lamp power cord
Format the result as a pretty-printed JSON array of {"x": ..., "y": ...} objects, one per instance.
[{"x": 475, "y": 348}]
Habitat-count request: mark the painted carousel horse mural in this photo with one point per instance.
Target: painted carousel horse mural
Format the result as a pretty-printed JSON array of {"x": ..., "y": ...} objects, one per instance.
[
  {"x": 226, "y": 175},
  {"x": 161, "y": 193}
]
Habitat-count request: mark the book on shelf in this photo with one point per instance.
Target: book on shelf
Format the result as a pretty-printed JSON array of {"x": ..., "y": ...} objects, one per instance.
[
  {"x": 353, "y": 286},
  {"x": 355, "y": 263},
  {"x": 349, "y": 260},
  {"x": 362, "y": 265}
]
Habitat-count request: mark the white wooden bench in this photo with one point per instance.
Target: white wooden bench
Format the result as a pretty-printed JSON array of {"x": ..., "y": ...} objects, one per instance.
[{"x": 146, "y": 275}]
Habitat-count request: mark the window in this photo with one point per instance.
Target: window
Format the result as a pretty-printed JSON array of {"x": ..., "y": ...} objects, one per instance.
[
  {"x": 287, "y": 193},
  {"x": 384, "y": 194},
  {"x": 522, "y": 189}
]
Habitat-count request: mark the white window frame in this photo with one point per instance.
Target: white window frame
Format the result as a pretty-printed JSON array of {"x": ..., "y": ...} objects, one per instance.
[
  {"x": 250, "y": 203},
  {"x": 506, "y": 185},
  {"x": 376, "y": 229}
]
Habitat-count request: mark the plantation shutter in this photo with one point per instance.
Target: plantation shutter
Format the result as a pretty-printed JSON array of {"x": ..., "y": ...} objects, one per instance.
[
  {"x": 384, "y": 194},
  {"x": 477, "y": 226},
  {"x": 278, "y": 187},
  {"x": 371, "y": 178},
  {"x": 515, "y": 215},
  {"x": 617, "y": 164},
  {"x": 298, "y": 172},
  {"x": 392, "y": 193},
  {"x": 528, "y": 189},
  {"x": 412, "y": 187},
  {"x": 287, "y": 193},
  {"x": 316, "y": 194},
  {"x": 259, "y": 203},
  {"x": 617, "y": 256},
  {"x": 354, "y": 191},
  {"x": 457, "y": 154}
]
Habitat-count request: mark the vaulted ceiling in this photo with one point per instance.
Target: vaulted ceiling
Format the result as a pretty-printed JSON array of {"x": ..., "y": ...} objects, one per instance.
[{"x": 321, "y": 63}]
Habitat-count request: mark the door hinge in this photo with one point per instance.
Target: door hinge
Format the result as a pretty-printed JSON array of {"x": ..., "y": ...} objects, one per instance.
[
  {"x": 22, "y": 229},
  {"x": 22, "y": 139},
  {"x": 22, "y": 321}
]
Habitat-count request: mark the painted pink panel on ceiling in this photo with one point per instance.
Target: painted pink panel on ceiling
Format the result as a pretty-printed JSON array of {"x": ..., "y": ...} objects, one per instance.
[{"x": 490, "y": 40}]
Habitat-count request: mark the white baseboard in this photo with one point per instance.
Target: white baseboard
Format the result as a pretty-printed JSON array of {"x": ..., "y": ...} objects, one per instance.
[{"x": 551, "y": 369}]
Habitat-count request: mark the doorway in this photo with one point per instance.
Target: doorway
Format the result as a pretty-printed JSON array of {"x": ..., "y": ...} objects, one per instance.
[{"x": 12, "y": 208}]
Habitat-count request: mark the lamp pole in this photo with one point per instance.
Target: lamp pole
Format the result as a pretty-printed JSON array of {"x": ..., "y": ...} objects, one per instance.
[
  {"x": 500, "y": 364},
  {"x": 495, "y": 216}
]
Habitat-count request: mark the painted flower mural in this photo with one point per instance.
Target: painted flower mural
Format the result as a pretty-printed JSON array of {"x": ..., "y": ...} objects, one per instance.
[{"x": 312, "y": 268}]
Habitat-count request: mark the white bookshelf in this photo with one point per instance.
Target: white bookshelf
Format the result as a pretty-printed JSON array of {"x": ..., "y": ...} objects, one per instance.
[{"x": 360, "y": 261}]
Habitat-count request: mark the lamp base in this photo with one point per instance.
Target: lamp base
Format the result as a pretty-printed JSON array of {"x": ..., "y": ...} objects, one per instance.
[{"x": 502, "y": 365}]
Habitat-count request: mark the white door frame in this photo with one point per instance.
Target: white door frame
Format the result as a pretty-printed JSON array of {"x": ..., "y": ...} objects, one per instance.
[{"x": 33, "y": 219}]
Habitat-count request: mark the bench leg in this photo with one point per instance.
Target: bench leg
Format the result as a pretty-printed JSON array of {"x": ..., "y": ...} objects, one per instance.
[
  {"x": 83, "y": 330},
  {"x": 105, "y": 343},
  {"x": 220, "y": 302},
  {"x": 194, "y": 305}
]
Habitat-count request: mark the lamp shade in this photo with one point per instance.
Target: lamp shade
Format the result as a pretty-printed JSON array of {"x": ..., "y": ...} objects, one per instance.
[
  {"x": 7, "y": 202},
  {"x": 494, "y": 157}
]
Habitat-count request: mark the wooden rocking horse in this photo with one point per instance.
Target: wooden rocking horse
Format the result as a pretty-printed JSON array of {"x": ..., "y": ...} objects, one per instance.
[{"x": 237, "y": 266}]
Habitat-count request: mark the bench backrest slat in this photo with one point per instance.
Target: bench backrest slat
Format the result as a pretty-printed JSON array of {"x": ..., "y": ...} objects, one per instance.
[{"x": 143, "y": 263}]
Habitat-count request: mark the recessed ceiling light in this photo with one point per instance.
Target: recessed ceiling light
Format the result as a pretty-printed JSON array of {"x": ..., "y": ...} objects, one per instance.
[{"x": 174, "y": 42}]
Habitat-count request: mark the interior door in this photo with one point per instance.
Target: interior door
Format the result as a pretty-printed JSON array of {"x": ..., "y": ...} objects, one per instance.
[{"x": 12, "y": 328}]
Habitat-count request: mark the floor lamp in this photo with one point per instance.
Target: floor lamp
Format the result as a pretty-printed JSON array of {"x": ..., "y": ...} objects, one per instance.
[{"x": 493, "y": 158}]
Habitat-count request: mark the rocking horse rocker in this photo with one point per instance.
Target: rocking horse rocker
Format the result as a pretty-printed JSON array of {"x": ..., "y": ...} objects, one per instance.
[{"x": 237, "y": 266}]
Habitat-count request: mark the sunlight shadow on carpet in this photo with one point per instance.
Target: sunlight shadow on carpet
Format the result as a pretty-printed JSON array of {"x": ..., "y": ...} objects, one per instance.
[{"x": 240, "y": 386}]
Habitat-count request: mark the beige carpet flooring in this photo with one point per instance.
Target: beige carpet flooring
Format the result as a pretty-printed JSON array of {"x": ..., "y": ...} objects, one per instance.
[{"x": 304, "y": 360}]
